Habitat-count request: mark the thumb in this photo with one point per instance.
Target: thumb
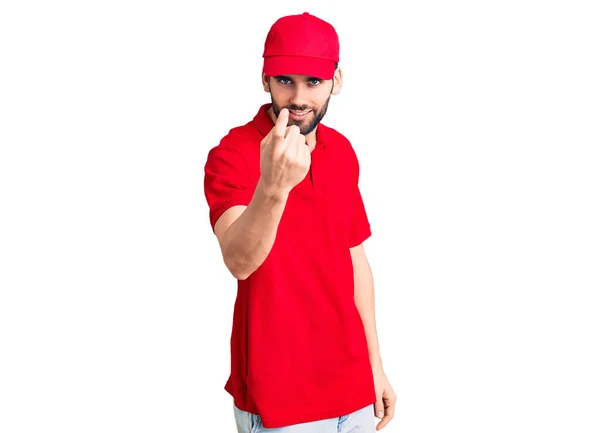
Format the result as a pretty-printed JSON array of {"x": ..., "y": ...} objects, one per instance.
[{"x": 379, "y": 408}]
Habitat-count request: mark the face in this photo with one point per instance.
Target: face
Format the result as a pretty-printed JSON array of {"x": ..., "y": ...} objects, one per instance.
[{"x": 306, "y": 97}]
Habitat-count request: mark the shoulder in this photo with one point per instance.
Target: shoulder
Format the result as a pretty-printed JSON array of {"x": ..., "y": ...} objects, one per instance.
[
  {"x": 342, "y": 145},
  {"x": 241, "y": 138},
  {"x": 239, "y": 142},
  {"x": 336, "y": 138}
]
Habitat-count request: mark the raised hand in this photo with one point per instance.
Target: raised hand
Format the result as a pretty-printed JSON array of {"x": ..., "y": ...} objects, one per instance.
[{"x": 284, "y": 156}]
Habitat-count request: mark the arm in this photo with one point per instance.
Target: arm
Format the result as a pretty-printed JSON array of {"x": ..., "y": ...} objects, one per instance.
[
  {"x": 364, "y": 298},
  {"x": 246, "y": 233}
]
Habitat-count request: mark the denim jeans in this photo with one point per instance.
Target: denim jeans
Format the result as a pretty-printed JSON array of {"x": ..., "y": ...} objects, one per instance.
[{"x": 360, "y": 421}]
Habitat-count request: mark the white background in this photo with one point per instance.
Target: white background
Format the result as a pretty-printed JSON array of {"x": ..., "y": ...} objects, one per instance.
[{"x": 477, "y": 129}]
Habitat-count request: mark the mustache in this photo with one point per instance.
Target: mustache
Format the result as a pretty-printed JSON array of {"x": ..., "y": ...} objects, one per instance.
[{"x": 297, "y": 108}]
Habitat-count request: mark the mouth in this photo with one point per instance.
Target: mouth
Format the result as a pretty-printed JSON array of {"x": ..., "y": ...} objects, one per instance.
[{"x": 299, "y": 115}]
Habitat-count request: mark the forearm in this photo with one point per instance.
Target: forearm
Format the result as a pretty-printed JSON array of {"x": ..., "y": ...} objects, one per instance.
[
  {"x": 249, "y": 239},
  {"x": 364, "y": 298}
]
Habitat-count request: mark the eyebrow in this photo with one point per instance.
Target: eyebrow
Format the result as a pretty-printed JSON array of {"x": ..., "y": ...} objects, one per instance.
[{"x": 279, "y": 77}]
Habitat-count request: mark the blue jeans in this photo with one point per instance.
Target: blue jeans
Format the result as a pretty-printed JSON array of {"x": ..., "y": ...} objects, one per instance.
[{"x": 360, "y": 421}]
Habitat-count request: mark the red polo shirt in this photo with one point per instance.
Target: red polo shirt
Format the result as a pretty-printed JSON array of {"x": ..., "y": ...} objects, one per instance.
[{"x": 298, "y": 346}]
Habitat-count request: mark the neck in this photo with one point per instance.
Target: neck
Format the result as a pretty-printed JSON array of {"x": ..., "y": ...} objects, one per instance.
[{"x": 311, "y": 139}]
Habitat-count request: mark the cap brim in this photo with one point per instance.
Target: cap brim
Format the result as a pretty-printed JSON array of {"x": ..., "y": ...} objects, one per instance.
[{"x": 311, "y": 66}]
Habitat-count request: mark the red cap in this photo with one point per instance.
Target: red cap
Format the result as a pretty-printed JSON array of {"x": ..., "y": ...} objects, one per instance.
[{"x": 301, "y": 44}]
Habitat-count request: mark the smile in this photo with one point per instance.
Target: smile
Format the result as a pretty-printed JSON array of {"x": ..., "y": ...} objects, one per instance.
[{"x": 299, "y": 115}]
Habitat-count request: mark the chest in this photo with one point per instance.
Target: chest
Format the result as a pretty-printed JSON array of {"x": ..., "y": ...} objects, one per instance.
[{"x": 319, "y": 209}]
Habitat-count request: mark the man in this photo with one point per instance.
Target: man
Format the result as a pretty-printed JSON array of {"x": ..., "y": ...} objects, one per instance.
[{"x": 290, "y": 220}]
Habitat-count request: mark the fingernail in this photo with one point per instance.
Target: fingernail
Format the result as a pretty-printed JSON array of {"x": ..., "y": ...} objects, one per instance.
[{"x": 380, "y": 413}]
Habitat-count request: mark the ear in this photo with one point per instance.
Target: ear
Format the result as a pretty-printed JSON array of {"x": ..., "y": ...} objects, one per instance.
[
  {"x": 265, "y": 83},
  {"x": 337, "y": 81}
]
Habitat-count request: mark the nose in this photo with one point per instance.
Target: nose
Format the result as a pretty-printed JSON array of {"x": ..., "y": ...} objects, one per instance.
[{"x": 299, "y": 98}]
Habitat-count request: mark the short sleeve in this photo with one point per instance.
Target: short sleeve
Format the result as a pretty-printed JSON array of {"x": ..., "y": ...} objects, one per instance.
[
  {"x": 360, "y": 228},
  {"x": 226, "y": 181}
]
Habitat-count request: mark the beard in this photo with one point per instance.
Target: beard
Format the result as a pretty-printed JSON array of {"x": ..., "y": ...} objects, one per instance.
[{"x": 311, "y": 121}]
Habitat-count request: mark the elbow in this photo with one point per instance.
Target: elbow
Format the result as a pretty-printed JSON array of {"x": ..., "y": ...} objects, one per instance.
[
  {"x": 241, "y": 277},
  {"x": 238, "y": 268},
  {"x": 238, "y": 273}
]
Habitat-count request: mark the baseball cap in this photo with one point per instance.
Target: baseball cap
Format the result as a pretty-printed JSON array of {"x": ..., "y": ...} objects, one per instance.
[{"x": 301, "y": 44}]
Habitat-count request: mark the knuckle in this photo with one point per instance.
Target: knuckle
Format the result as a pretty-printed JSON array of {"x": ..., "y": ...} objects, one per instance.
[
  {"x": 291, "y": 157},
  {"x": 278, "y": 151},
  {"x": 286, "y": 155},
  {"x": 276, "y": 143}
]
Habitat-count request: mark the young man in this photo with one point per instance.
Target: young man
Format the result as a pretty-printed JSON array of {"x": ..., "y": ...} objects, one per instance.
[{"x": 290, "y": 220}]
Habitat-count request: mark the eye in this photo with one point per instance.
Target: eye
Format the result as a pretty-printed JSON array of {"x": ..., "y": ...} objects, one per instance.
[
  {"x": 284, "y": 80},
  {"x": 314, "y": 81}
]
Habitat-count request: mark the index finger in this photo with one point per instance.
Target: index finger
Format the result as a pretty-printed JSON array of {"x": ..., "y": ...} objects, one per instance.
[{"x": 281, "y": 124}]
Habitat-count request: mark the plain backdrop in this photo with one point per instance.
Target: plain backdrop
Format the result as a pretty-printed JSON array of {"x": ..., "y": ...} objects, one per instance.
[{"x": 477, "y": 129}]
